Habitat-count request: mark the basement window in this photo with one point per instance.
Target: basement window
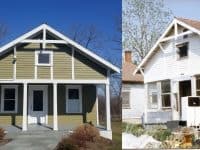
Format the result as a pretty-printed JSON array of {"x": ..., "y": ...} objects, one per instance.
[
  {"x": 166, "y": 94},
  {"x": 43, "y": 58},
  {"x": 182, "y": 50}
]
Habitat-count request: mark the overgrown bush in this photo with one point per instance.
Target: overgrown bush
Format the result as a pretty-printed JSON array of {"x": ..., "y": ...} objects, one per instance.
[
  {"x": 2, "y": 133},
  {"x": 84, "y": 137}
]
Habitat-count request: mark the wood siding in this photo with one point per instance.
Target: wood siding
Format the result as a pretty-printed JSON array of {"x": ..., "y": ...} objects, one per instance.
[
  {"x": 25, "y": 64},
  {"x": 43, "y": 72},
  {"x": 86, "y": 69},
  {"x": 6, "y": 66},
  {"x": 62, "y": 64}
]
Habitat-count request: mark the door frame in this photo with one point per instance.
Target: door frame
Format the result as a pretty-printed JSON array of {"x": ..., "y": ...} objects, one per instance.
[{"x": 45, "y": 101}]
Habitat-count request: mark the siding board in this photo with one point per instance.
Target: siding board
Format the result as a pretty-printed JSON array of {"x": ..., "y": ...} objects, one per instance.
[{"x": 6, "y": 66}]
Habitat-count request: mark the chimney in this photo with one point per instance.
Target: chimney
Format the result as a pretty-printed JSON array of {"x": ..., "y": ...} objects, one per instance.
[{"x": 128, "y": 56}]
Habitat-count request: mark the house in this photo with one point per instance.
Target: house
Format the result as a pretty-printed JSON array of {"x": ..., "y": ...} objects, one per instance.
[
  {"x": 133, "y": 92},
  {"x": 48, "y": 79},
  {"x": 172, "y": 72}
]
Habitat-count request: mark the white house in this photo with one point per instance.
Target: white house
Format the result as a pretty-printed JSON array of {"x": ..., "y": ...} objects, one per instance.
[
  {"x": 171, "y": 72},
  {"x": 133, "y": 98}
]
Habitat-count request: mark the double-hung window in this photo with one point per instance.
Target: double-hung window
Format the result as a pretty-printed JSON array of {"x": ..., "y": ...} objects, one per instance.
[
  {"x": 166, "y": 94},
  {"x": 125, "y": 98},
  {"x": 73, "y": 99},
  {"x": 153, "y": 95},
  {"x": 43, "y": 58},
  {"x": 9, "y": 99}
]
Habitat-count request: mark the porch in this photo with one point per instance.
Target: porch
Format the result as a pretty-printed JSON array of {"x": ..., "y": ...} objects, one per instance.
[{"x": 51, "y": 106}]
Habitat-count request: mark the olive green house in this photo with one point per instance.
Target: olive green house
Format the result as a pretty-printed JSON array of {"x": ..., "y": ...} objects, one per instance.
[{"x": 48, "y": 79}]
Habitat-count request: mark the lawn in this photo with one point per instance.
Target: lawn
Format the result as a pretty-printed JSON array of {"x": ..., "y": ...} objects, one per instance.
[{"x": 117, "y": 135}]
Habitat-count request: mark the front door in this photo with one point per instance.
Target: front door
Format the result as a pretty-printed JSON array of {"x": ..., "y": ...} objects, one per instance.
[{"x": 37, "y": 110}]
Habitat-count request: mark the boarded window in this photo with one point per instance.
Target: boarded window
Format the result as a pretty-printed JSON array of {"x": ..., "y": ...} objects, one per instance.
[
  {"x": 166, "y": 94},
  {"x": 153, "y": 96},
  {"x": 126, "y": 99}
]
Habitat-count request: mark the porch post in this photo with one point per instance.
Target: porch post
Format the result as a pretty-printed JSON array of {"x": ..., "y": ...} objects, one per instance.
[
  {"x": 24, "y": 124},
  {"x": 108, "y": 118},
  {"x": 97, "y": 106},
  {"x": 55, "y": 107}
]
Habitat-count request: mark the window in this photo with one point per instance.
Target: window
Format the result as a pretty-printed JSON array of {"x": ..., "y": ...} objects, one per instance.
[
  {"x": 9, "y": 99},
  {"x": 166, "y": 94},
  {"x": 182, "y": 50},
  {"x": 198, "y": 85},
  {"x": 126, "y": 99},
  {"x": 153, "y": 96},
  {"x": 74, "y": 99},
  {"x": 43, "y": 58}
]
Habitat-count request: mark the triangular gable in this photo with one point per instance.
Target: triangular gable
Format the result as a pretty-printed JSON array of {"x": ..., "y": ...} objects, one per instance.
[
  {"x": 31, "y": 36},
  {"x": 192, "y": 27}
]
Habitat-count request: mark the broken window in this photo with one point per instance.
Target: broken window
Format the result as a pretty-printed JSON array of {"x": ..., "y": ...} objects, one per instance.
[
  {"x": 182, "y": 50},
  {"x": 166, "y": 94},
  {"x": 153, "y": 96}
]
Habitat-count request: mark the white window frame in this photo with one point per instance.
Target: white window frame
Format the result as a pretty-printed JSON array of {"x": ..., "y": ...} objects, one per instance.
[
  {"x": 168, "y": 93},
  {"x": 3, "y": 87},
  {"x": 150, "y": 95},
  {"x": 37, "y": 52},
  {"x": 79, "y": 87},
  {"x": 129, "y": 105}
]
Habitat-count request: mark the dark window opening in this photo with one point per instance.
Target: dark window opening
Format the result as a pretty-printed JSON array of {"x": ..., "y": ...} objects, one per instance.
[{"x": 183, "y": 50}]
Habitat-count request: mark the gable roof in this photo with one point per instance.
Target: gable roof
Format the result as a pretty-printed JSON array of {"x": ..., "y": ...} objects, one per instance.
[
  {"x": 192, "y": 25},
  {"x": 66, "y": 39},
  {"x": 127, "y": 76}
]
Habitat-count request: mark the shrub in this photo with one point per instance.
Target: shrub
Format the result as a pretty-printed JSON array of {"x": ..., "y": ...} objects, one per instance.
[
  {"x": 135, "y": 129},
  {"x": 2, "y": 133},
  {"x": 85, "y": 136}
]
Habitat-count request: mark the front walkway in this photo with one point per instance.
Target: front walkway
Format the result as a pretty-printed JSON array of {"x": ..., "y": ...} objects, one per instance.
[{"x": 40, "y": 138}]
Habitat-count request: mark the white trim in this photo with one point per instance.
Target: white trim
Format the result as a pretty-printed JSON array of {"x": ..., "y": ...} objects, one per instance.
[
  {"x": 97, "y": 106},
  {"x": 55, "y": 107},
  {"x": 54, "y": 81},
  {"x": 66, "y": 39},
  {"x": 35, "y": 68},
  {"x": 43, "y": 52},
  {"x": 24, "y": 119},
  {"x": 79, "y": 87},
  {"x": 45, "y": 41},
  {"x": 108, "y": 117},
  {"x": 44, "y": 88},
  {"x": 52, "y": 75},
  {"x": 3, "y": 87},
  {"x": 14, "y": 65},
  {"x": 73, "y": 63}
]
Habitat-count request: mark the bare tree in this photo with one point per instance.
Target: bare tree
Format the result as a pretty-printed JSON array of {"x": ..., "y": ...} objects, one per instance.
[
  {"x": 142, "y": 23},
  {"x": 87, "y": 35}
]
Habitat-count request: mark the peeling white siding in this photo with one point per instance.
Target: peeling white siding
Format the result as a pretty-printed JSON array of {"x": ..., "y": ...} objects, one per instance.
[{"x": 137, "y": 103}]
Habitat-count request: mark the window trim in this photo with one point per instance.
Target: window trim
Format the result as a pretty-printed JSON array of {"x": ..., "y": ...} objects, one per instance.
[
  {"x": 79, "y": 87},
  {"x": 129, "y": 105},
  {"x": 3, "y": 87},
  {"x": 167, "y": 93},
  {"x": 37, "y": 52},
  {"x": 149, "y": 94}
]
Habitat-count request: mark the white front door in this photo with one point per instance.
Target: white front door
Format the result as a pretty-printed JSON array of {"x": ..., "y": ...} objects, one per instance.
[{"x": 37, "y": 108}]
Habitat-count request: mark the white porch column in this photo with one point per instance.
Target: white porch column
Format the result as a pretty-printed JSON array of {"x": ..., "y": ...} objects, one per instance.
[
  {"x": 55, "y": 107},
  {"x": 24, "y": 123},
  {"x": 97, "y": 106},
  {"x": 193, "y": 83},
  {"x": 108, "y": 118}
]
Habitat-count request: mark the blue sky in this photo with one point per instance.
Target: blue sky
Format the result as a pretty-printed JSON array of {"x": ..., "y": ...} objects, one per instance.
[
  {"x": 21, "y": 16},
  {"x": 184, "y": 8}
]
